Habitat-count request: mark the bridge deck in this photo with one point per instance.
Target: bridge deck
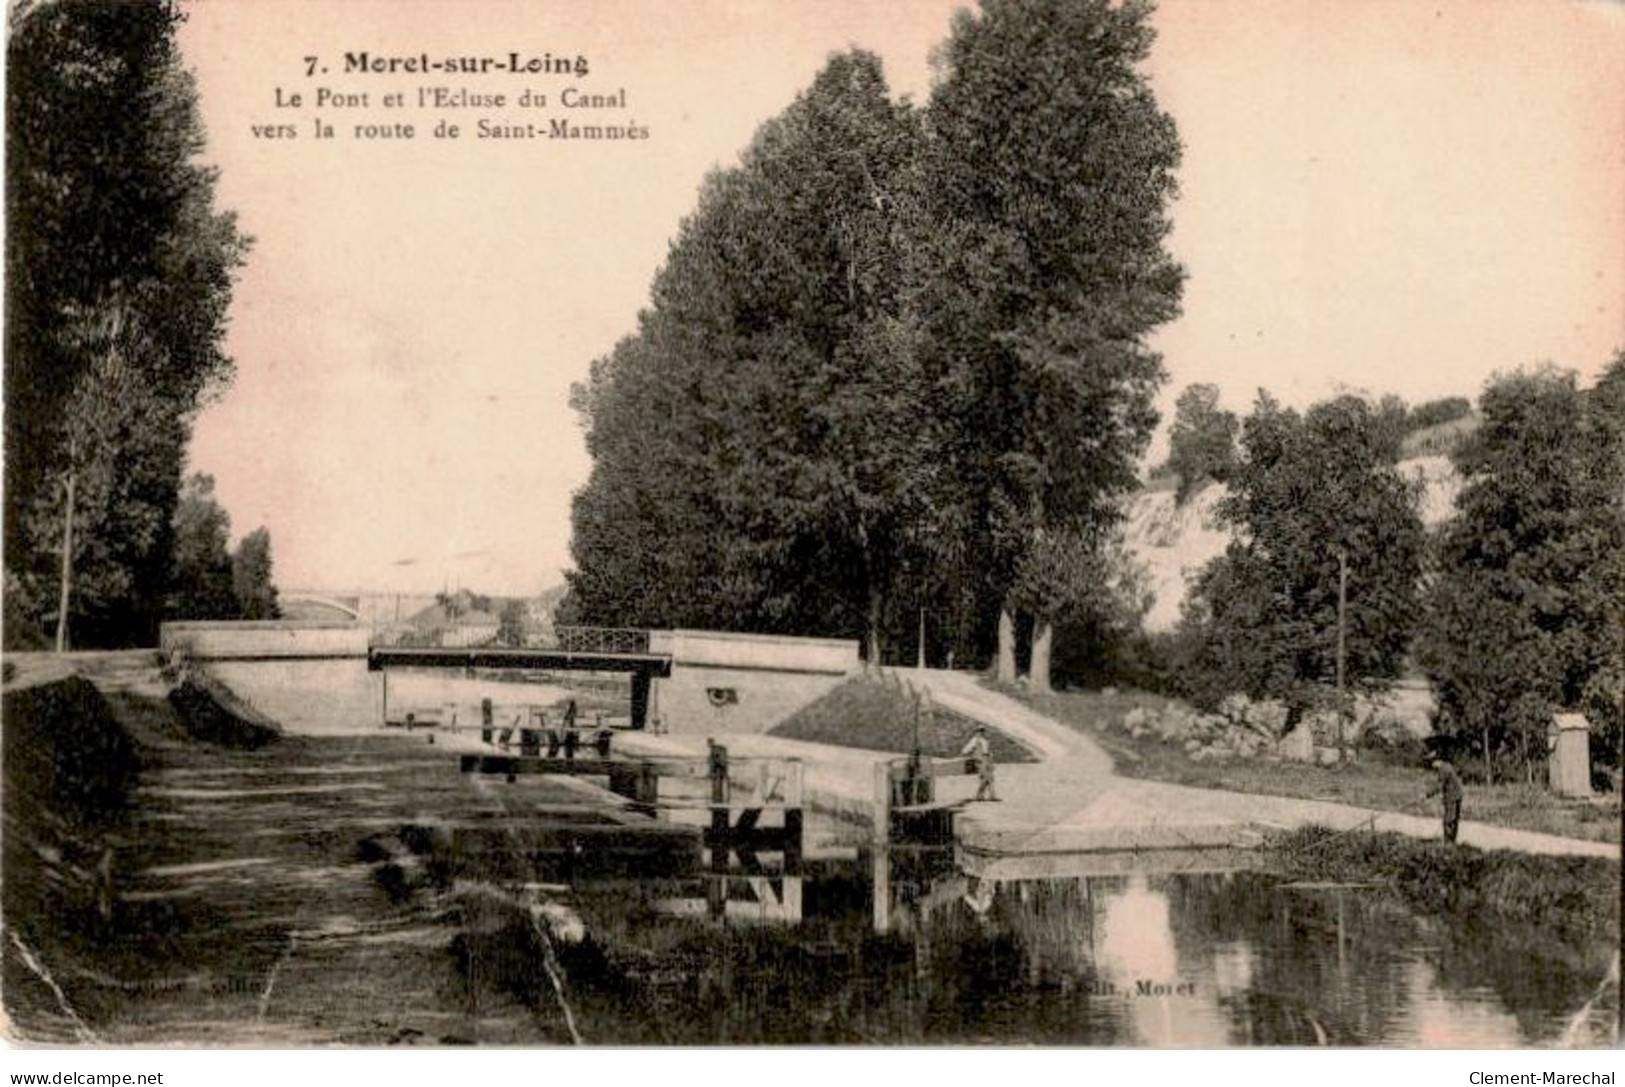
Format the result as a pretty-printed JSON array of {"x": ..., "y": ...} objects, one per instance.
[{"x": 647, "y": 664}]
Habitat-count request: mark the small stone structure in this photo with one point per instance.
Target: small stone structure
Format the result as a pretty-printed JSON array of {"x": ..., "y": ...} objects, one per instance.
[
  {"x": 1570, "y": 764},
  {"x": 722, "y": 682}
]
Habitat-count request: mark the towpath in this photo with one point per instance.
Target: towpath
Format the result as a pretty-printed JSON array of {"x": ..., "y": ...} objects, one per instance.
[{"x": 1073, "y": 800}]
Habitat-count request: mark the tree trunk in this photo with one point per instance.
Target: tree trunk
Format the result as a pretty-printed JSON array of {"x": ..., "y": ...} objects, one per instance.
[
  {"x": 873, "y": 634},
  {"x": 63, "y": 590},
  {"x": 1038, "y": 667},
  {"x": 1005, "y": 669},
  {"x": 1489, "y": 772}
]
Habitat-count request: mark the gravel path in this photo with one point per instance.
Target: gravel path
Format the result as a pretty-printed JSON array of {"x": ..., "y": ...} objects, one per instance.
[{"x": 1074, "y": 800}]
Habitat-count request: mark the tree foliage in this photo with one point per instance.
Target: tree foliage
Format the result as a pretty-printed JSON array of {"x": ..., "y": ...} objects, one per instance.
[
  {"x": 759, "y": 434},
  {"x": 513, "y": 623},
  {"x": 894, "y": 349},
  {"x": 1049, "y": 171},
  {"x": 251, "y": 576},
  {"x": 118, "y": 274},
  {"x": 1308, "y": 494},
  {"x": 204, "y": 582},
  {"x": 211, "y": 581},
  {"x": 1446, "y": 409},
  {"x": 1202, "y": 441},
  {"x": 1525, "y": 608}
]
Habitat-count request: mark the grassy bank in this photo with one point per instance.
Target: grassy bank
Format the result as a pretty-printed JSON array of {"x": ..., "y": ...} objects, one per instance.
[
  {"x": 879, "y": 715},
  {"x": 1369, "y": 783},
  {"x": 1573, "y": 897}
]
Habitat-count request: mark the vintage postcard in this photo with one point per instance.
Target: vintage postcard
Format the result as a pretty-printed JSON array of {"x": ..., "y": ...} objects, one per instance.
[{"x": 770, "y": 522}]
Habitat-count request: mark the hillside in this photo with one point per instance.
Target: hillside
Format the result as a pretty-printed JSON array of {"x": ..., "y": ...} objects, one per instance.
[{"x": 1175, "y": 542}]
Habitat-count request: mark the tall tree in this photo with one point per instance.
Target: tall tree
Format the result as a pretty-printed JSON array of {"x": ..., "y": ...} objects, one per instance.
[
  {"x": 118, "y": 273},
  {"x": 1202, "y": 442},
  {"x": 204, "y": 574},
  {"x": 1525, "y": 613},
  {"x": 251, "y": 576},
  {"x": 1047, "y": 172},
  {"x": 757, "y": 452},
  {"x": 1324, "y": 518}
]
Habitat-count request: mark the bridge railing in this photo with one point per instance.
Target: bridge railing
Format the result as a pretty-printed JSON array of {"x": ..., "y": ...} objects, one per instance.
[
  {"x": 602, "y": 639},
  {"x": 568, "y": 639}
]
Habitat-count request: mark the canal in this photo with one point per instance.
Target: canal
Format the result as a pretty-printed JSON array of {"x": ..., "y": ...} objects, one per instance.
[{"x": 349, "y": 886}]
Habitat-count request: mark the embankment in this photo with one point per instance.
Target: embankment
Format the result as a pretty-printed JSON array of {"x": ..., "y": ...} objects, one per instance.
[
  {"x": 1576, "y": 898},
  {"x": 210, "y": 712},
  {"x": 71, "y": 765}
]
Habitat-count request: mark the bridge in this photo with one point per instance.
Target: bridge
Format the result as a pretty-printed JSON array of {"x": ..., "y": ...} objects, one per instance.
[
  {"x": 574, "y": 649},
  {"x": 299, "y": 604}
]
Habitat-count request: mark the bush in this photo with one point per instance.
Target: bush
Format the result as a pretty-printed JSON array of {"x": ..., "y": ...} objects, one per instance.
[
  {"x": 1393, "y": 744},
  {"x": 1445, "y": 410},
  {"x": 1574, "y": 896}
]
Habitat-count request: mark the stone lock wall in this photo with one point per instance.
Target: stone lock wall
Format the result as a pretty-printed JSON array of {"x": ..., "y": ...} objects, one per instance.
[
  {"x": 743, "y": 683},
  {"x": 264, "y": 639}
]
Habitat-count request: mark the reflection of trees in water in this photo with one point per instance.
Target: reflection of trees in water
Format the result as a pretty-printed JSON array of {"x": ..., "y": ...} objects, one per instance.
[
  {"x": 1320, "y": 965},
  {"x": 1540, "y": 979},
  {"x": 1025, "y": 962},
  {"x": 1018, "y": 971}
]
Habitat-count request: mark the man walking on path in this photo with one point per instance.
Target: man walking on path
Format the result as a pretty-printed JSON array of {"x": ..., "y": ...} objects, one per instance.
[
  {"x": 1449, "y": 790},
  {"x": 982, "y": 755}
]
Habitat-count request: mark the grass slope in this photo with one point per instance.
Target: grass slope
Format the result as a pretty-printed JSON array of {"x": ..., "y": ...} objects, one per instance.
[{"x": 878, "y": 715}]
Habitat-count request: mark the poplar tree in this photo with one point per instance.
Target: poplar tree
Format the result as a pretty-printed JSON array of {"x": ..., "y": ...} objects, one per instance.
[
  {"x": 1048, "y": 172},
  {"x": 118, "y": 274},
  {"x": 756, "y": 445}
]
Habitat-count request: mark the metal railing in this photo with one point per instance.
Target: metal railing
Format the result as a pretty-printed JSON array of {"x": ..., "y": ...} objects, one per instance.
[
  {"x": 568, "y": 639},
  {"x": 602, "y": 639}
]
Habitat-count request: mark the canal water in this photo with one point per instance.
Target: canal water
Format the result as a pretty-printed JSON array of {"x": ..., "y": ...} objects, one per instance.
[
  {"x": 1195, "y": 959},
  {"x": 1176, "y": 960}
]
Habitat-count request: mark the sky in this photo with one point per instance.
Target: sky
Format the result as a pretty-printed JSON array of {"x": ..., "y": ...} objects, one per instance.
[{"x": 1399, "y": 197}]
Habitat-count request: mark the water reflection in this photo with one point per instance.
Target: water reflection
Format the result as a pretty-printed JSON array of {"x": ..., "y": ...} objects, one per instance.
[{"x": 1147, "y": 959}]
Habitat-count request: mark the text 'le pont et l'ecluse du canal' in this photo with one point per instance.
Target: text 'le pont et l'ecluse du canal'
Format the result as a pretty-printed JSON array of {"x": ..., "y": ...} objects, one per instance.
[{"x": 436, "y": 111}]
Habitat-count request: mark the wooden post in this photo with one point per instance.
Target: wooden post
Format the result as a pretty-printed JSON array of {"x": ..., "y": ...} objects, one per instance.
[
  {"x": 67, "y": 559},
  {"x": 718, "y": 765},
  {"x": 882, "y": 804},
  {"x": 1342, "y": 647},
  {"x": 792, "y": 841},
  {"x": 793, "y": 829},
  {"x": 384, "y": 717},
  {"x": 649, "y": 787},
  {"x": 640, "y": 699},
  {"x": 716, "y": 888},
  {"x": 880, "y": 873},
  {"x": 920, "y": 663}
]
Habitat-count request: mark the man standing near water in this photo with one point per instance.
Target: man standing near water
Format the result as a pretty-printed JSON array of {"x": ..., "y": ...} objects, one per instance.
[
  {"x": 982, "y": 755},
  {"x": 1449, "y": 790}
]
